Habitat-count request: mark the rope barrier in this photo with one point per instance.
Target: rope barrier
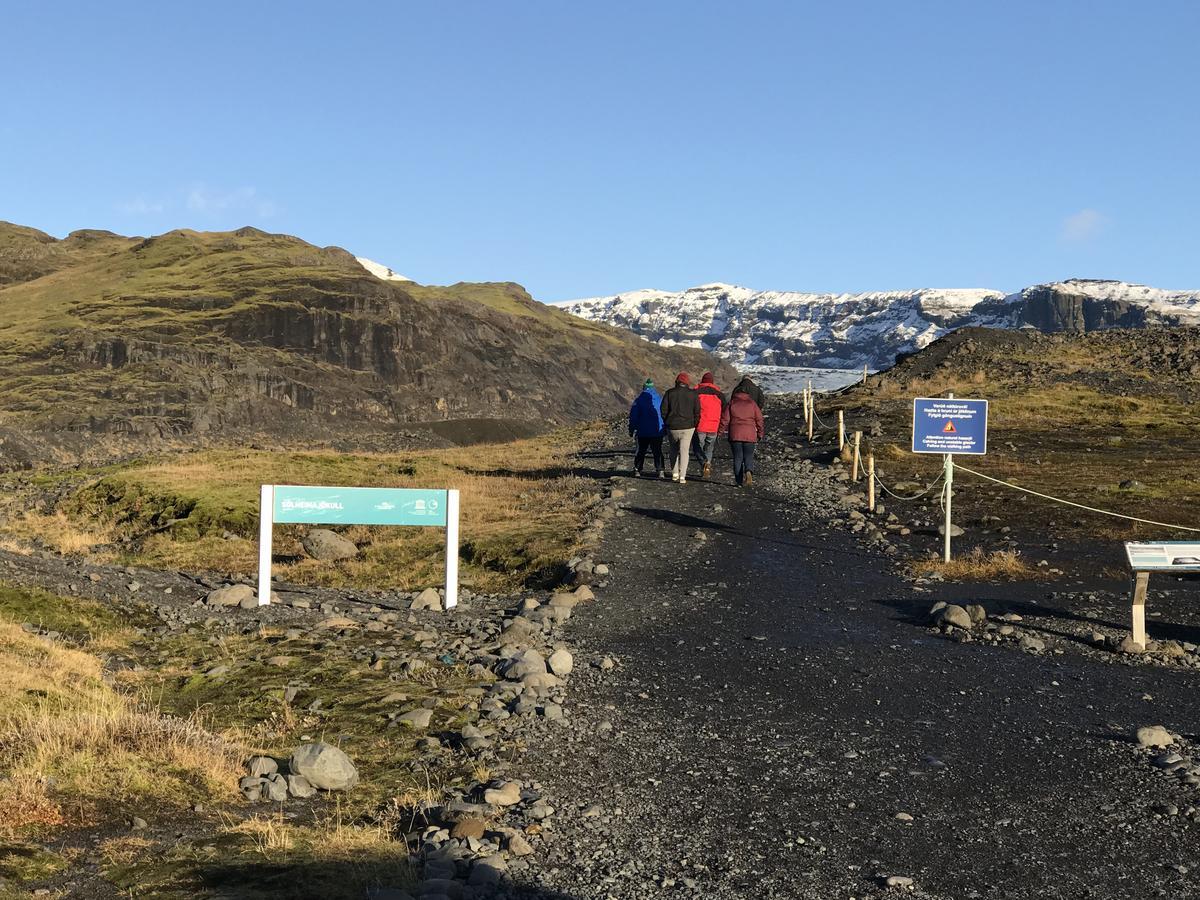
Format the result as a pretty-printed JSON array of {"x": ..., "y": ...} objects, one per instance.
[
  {"x": 1103, "y": 512},
  {"x": 896, "y": 496}
]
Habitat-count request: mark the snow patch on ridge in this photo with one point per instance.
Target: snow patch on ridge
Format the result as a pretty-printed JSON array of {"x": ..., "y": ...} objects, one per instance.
[{"x": 379, "y": 270}]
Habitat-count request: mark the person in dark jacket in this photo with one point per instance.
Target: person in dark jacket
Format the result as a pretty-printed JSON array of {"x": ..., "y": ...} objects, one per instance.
[
  {"x": 755, "y": 392},
  {"x": 681, "y": 415},
  {"x": 645, "y": 421},
  {"x": 712, "y": 405},
  {"x": 744, "y": 422}
]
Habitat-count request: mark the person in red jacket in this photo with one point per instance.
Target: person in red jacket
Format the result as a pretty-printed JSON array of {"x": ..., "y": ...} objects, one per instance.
[
  {"x": 712, "y": 405},
  {"x": 743, "y": 420}
]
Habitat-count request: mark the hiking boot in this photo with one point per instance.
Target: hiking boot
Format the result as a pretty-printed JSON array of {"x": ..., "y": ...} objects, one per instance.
[
  {"x": 707, "y": 473},
  {"x": 661, "y": 474},
  {"x": 748, "y": 479},
  {"x": 674, "y": 476}
]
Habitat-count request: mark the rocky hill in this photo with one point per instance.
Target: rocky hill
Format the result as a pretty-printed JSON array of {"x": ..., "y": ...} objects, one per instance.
[
  {"x": 785, "y": 328},
  {"x": 252, "y": 335}
]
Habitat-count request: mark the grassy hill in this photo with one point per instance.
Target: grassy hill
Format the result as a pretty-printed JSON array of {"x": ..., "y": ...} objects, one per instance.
[
  {"x": 246, "y": 334},
  {"x": 1107, "y": 419}
]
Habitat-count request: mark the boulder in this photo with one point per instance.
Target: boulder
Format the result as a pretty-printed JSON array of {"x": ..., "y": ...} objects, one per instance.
[
  {"x": 1154, "y": 736},
  {"x": 953, "y": 615},
  {"x": 427, "y": 599},
  {"x": 326, "y": 545},
  {"x": 583, "y": 593},
  {"x": 232, "y": 595},
  {"x": 326, "y": 767}
]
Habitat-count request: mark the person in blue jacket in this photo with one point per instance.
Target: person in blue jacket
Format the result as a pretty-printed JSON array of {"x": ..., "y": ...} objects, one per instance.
[{"x": 646, "y": 422}]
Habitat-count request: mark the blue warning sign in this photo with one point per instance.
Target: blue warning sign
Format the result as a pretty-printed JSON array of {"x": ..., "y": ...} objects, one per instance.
[{"x": 949, "y": 426}]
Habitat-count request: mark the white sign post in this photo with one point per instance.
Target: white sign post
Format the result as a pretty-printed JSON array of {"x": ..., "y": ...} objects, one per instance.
[
  {"x": 948, "y": 426},
  {"x": 315, "y": 505}
]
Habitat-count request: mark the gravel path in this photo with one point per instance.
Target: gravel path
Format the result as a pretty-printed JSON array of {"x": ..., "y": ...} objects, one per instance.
[{"x": 783, "y": 724}]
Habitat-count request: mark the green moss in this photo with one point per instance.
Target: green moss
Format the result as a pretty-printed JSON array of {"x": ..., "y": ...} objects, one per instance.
[{"x": 74, "y": 617}]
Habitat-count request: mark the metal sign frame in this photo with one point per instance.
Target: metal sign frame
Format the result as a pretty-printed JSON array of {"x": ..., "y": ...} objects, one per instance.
[
  {"x": 974, "y": 415},
  {"x": 334, "y": 505}
]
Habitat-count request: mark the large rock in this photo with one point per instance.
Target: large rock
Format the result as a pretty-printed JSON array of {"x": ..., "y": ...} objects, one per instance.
[
  {"x": 427, "y": 599},
  {"x": 507, "y": 793},
  {"x": 527, "y": 662},
  {"x": 325, "y": 766},
  {"x": 232, "y": 595},
  {"x": 1154, "y": 736},
  {"x": 323, "y": 544},
  {"x": 955, "y": 615}
]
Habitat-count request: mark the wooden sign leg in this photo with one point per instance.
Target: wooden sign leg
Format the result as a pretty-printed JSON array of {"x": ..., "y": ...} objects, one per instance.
[{"x": 1140, "y": 582}]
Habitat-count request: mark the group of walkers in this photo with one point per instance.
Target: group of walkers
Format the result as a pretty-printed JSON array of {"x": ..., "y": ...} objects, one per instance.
[{"x": 690, "y": 419}]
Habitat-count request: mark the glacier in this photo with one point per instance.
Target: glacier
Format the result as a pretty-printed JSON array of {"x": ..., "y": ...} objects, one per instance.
[{"x": 847, "y": 331}]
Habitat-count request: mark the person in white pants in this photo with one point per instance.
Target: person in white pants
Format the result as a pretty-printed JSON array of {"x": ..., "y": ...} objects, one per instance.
[{"x": 681, "y": 413}]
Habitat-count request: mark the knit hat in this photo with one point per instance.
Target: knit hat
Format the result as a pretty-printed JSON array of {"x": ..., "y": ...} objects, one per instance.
[
  {"x": 683, "y": 378},
  {"x": 707, "y": 379},
  {"x": 649, "y": 383}
]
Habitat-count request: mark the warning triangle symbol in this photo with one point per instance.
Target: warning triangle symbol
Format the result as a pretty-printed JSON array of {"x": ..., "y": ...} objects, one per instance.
[{"x": 949, "y": 429}]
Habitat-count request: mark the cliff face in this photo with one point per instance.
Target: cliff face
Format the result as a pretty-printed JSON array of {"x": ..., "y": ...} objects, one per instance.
[
  {"x": 246, "y": 334},
  {"x": 1056, "y": 307}
]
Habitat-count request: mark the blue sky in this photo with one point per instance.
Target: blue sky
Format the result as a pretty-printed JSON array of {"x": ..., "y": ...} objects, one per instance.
[{"x": 588, "y": 148}]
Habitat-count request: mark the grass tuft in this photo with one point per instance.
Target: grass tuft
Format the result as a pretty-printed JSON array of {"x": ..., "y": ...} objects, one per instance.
[{"x": 979, "y": 566}]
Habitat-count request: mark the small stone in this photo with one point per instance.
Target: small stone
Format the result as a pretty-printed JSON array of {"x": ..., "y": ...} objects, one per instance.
[
  {"x": 561, "y": 662},
  {"x": 252, "y": 787},
  {"x": 1032, "y": 644},
  {"x": 298, "y": 786},
  {"x": 469, "y": 827},
  {"x": 518, "y": 846},
  {"x": 1129, "y": 645},
  {"x": 903, "y": 817},
  {"x": 275, "y": 788},
  {"x": 506, "y": 794},
  {"x": 900, "y": 881},
  {"x": 261, "y": 766},
  {"x": 583, "y": 593},
  {"x": 416, "y": 718},
  {"x": 601, "y": 570},
  {"x": 138, "y": 824}
]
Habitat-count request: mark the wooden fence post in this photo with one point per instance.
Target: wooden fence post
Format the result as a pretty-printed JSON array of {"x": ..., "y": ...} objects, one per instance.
[
  {"x": 854, "y": 465},
  {"x": 841, "y": 431},
  {"x": 871, "y": 482}
]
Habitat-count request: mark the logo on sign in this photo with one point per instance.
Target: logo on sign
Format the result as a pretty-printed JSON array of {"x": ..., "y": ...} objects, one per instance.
[{"x": 949, "y": 429}]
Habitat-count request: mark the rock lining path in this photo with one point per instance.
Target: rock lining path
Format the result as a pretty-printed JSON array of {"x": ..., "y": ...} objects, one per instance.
[{"x": 784, "y": 727}]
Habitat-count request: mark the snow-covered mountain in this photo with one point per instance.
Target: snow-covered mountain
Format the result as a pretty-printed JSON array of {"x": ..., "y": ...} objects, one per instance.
[
  {"x": 379, "y": 270},
  {"x": 787, "y": 328}
]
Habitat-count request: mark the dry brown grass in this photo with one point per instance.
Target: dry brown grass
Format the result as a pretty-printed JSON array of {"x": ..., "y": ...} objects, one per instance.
[
  {"x": 979, "y": 566},
  {"x": 521, "y": 511},
  {"x": 70, "y": 743},
  {"x": 62, "y": 534}
]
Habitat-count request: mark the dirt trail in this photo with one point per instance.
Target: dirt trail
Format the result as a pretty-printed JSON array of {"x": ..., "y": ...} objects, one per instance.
[{"x": 783, "y": 710}]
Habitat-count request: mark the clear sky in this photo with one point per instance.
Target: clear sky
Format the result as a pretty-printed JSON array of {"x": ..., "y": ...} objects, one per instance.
[{"x": 585, "y": 148}]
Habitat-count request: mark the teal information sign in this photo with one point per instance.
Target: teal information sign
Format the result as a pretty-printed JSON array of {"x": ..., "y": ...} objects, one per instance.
[{"x": 358, "y": 506}]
